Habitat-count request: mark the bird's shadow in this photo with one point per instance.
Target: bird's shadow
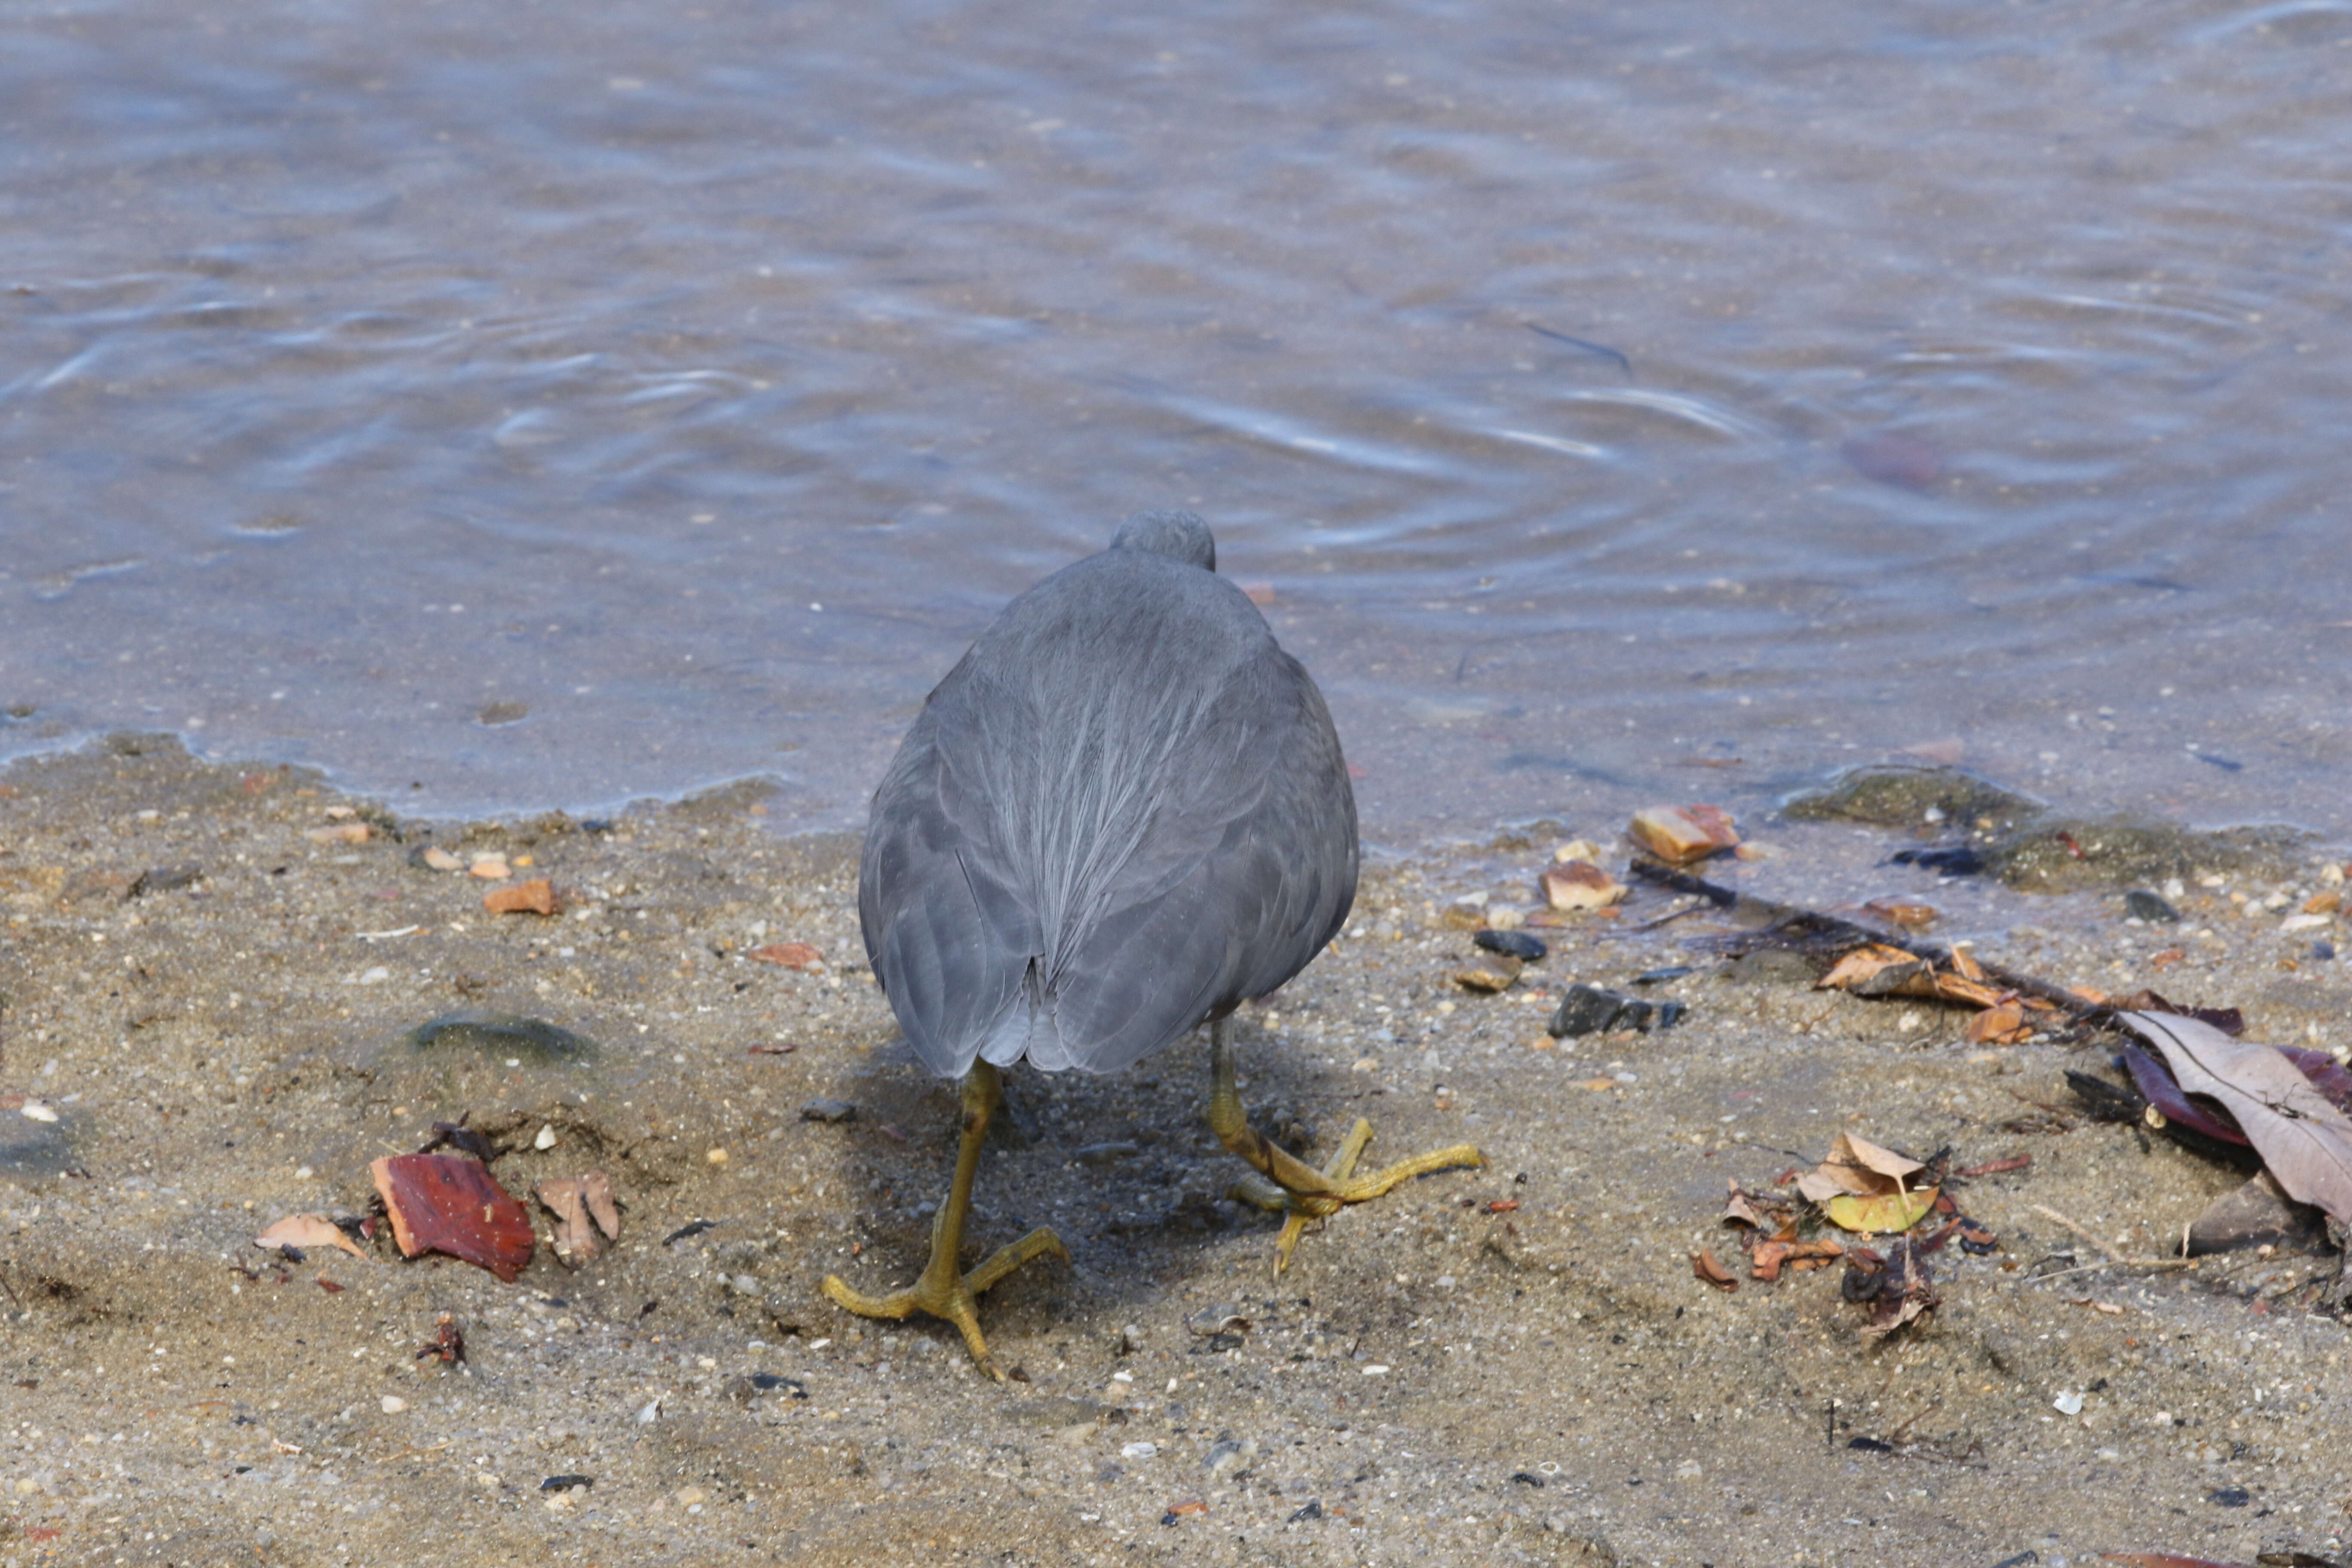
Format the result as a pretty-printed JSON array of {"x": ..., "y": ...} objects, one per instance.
[{"x": 1122, "y": 1166}]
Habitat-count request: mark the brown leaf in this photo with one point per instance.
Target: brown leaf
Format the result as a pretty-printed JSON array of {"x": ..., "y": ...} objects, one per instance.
[
  {"x": 536, "y": 897},
  {"x": 1857, "y": 1165},
  {"x": 1992, "y": 1167},
  {"x": 597, "y": 1191},
  {"x": 1909, "y": 916},
  {"x": 1704, "y": 1264},
  {"x": 307, "y": 1230},
  {"x": 1877, "y": 970},
  {"x": 449, "y": 1203},
  {"x": 2304, "y": 1138},
  {"x": 1765, "y": 1262},
  {"x": 791, "y": 954},
  {"x": 2002, "y": 1025}
]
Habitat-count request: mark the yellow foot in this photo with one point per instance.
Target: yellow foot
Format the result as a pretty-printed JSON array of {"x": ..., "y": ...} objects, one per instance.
[
  {"x": 944, "y": 1293},
  {"x": 1341, "y": 1186}
]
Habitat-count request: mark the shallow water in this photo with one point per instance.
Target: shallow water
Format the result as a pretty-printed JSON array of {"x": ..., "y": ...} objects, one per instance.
[{"x": 551, "y": 408}]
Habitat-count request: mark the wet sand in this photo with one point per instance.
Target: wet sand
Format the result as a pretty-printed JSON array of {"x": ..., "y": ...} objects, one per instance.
[{"x": 1431, "y": 1381}]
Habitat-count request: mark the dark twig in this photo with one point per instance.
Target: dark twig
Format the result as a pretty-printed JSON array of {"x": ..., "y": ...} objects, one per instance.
[{"x": 1837, "y": 930}]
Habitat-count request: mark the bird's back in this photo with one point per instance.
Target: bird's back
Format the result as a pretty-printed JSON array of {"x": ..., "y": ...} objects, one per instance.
[{"x": 1124, "y": 812}]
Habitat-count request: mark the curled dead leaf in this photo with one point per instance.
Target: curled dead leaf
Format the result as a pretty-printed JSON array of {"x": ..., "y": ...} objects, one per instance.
[
  {"x": 307, "y": 1230},
  {"x": 1704, "y": 1264}
]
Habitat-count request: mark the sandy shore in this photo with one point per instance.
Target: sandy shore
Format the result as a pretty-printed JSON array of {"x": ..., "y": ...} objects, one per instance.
[{"x": 1431, "y": 1382}]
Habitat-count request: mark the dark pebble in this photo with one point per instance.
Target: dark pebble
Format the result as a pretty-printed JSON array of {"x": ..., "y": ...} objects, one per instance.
[
  {"x": 1671, "y": 972},
  {"x": 2229, "y": 1496},
  {"x": 2322, "y": 951},
  {"x": 1871, "y": 1446},
  {"x": 163, "y": 880},
  {"x": 2142, "y": 905},
  {"x": 824, "y": 1109},
  {"x": 567, "y": 1483},
  {"x": 1526, "y": 1477},
  {"x": 768, "y": 1381},
  {"x": 1313, "y": 1509},
  {"x": 1590, "y": 1010},
  {"x": 1959, "y": 862},
  {"x": 1516, "y": 944}
]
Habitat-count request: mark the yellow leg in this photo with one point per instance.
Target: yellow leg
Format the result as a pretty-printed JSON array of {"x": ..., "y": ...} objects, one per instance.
[
  {"x": 943, "y": 1290},
  {"x": 1287, "y": 1184}
]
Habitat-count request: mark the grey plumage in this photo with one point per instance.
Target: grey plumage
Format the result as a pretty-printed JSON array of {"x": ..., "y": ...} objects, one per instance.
[{"x": 1123, "y": 812}]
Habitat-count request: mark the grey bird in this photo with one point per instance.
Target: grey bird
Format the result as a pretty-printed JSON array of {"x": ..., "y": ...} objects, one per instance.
[{"x": 1124, "y": 812}]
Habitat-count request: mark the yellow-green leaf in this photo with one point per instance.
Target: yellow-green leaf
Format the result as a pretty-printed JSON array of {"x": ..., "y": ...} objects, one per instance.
[{"x": 1882, "y": 1215}]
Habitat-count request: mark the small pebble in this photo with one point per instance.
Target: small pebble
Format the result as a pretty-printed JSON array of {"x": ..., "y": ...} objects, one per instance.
[
  {"x": 824, "y": 1109},
  {"x": 2068, "y": 1403},
  {"x": 2139, "y": 904},
  {"x": 1139, "y": 1451},
  {"x": 440, "y": 859},
  {"x": 1228, "y": 1455},
  {"x": 650, "y": 1413},
  {"x": 1516, "y": 944},
  {"x": 393, "y": 1404}
]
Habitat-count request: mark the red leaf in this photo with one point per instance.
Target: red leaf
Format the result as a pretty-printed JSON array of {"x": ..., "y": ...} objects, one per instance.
[{"x": 449, "y": 1203}]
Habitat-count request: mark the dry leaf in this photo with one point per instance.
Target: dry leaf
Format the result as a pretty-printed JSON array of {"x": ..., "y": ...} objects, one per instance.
[
  {"x": 2002, "y": 1025},
  {"x": 2302, "y": 1137},
  {"x": 307, "y": 1230},
  {"x": 449, "y": 1203},
  {"x": 1704, "y": 1264},
  {"x": 1902, "y": 912},
  {"x": 1898, "y": 1289},
  {"x": 1741, "y": 1210},
  {"x": 1875, "y": 971},
  {"x": 1856, "y": 1165},
  {"x": 575, "y": 1202}
]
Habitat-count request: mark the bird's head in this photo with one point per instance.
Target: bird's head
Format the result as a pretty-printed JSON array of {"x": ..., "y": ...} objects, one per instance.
[{"x": 1179, "y": 535}]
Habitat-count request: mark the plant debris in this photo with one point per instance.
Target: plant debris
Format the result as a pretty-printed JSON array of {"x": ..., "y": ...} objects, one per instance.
[
  {"x": 1862, "y": 1187},
  {"x": 576, "y": 1201},
  {"x": 447, "y": 1344},
  {"x": 450, "y": 1202},
  {"x": 305, "y": 1230},
  {"x": 1897, "y": 1288},
  {"x": 2301, "y": 1136}
]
